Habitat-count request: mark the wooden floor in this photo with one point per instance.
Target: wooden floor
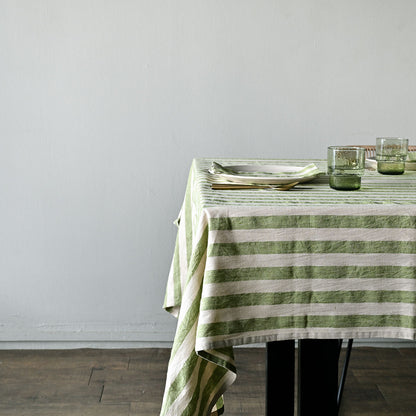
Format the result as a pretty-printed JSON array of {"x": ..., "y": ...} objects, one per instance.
[{"x": 91, "y": 382}]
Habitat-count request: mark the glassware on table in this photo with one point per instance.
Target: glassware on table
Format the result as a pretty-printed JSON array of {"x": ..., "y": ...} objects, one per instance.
[
  {"x": 345, "y": 167},
  {"x": 411, "y": 156},
  {"x": 391, "y": 154}
]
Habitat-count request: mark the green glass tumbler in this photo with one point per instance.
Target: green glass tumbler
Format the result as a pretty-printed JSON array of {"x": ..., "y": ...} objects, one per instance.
[
  {"x": 345, "y": 167},
  {"x": 391, "y": 154}
]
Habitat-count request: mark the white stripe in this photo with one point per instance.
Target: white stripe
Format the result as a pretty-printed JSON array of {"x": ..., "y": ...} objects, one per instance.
[
  {"x": 312, "y": 234},
  {"x": 300, "y": 285},
  {"x": 253, "y": 337},
  {"x": 187, "y": 346},
  {"x": 311, "y": 191},
  {"x": 301, "y": 309},
  {"x": 190, "y": 292},
  {"x": 308, "y": 259},
  {"x": 306, "y": 202},
  {"x": 170, "y": 292}
]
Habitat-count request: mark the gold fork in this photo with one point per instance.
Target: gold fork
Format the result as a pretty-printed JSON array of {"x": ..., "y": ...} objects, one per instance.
[{"x": 227, "y": 186}]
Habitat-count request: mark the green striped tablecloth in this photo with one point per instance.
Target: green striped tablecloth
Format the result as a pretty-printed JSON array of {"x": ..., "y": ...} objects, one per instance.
[{"x": 261, "y": 265}]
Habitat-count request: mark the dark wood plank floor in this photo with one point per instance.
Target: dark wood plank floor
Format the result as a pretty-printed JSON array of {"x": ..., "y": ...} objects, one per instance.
[{"x": 129, "y": 382}]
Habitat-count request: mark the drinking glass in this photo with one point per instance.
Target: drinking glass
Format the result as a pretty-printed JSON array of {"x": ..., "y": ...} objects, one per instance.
[
  {"x": 345, "y": 167},
  {"x": 391, "y": 153}
]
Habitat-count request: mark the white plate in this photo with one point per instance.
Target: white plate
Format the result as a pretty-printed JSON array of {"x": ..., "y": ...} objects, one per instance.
[{"x": 265, "y": 179}]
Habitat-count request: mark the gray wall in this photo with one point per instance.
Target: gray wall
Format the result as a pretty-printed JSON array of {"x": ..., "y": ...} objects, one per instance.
[{"x": 103, "y": 105}]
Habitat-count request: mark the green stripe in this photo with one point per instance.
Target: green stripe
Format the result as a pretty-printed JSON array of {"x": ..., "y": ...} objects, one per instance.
[
  {"x": 191, "y": 407},
  {"x": 309, "y": 321},
  {"x": 220, "y": 407},
  {"x": 177, "y": 291},
  {"x": 217, "y": 373},
  {"x": 309, "y": 272},
  {"x": 191, "y": 314},
  {"x": 187, "y": 220},
  {"x": 279, "y": 247},
  {"x": 187, "y": 322},
  {"x": 307, "y": 297},
  {"x": 198, "y": 253},
  {"x": 214, "y": 385},
  {"x": 312, "y": 221},
  {"x": 177, "y": 385},
  {"x": 306, "y": 201}
]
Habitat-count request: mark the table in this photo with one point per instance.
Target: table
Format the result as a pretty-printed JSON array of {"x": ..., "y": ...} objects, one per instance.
[{"x": 255, "y": 266}]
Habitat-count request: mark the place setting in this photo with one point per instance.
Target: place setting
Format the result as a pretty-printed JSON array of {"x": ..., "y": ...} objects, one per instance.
[{"x": 345, "y": 167}]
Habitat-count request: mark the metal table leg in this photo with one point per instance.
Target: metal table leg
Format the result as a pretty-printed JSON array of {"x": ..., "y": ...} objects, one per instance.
[
  {"x": 280, "y": 378},
  {"x": 318, "y": 377}
]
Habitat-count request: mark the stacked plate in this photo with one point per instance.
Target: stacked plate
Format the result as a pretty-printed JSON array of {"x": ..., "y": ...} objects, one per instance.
[{"x": 264, "y": 174}]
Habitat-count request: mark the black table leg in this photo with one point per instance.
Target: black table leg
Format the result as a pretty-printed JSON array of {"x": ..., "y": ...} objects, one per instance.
[
  {"x": 318, "y": 377},
  {"x": 280, "y": 378}
]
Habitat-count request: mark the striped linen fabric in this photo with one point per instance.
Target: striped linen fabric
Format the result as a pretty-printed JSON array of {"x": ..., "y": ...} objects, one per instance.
[{"x": 260, "y": 265}]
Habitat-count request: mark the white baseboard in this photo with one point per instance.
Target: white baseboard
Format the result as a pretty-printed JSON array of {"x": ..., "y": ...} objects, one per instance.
[
  {"x": 112, "y": 335},
  {"x": 91, "y": 335},
  {"x": 69, "y": 345}
]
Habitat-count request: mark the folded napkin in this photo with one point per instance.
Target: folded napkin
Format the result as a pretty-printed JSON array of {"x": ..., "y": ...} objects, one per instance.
[
  {"x": 306, "y": 171},
  {"x": 371, "y": 164}
]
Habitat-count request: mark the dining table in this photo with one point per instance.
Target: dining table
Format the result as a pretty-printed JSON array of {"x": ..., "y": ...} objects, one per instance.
[{"x": 311, "y": 265}]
